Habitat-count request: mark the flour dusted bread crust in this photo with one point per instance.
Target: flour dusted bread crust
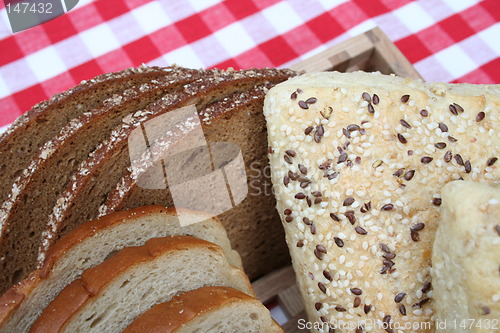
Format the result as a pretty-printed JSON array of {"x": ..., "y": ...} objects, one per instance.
[
  {"x": 207, "y": 310},
  {"x": 22, "y": 141},
  {"x": 102, "y": 170},
  {"x": 358, "y": 161},
  {"x": 237, "y": 119},
  {"x": 111, "y": 295},
  {"x": 466, "y": 259},
  {"x": 88, "y": 245},
  {"x": 49, "y": 171}
]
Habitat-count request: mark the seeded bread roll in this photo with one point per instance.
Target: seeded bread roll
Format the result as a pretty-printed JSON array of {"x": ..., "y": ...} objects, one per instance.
[
  {"x": 466, "y": 259},
  {"x": 207, "y": 310},
  {"x": 358, "y": 161}
]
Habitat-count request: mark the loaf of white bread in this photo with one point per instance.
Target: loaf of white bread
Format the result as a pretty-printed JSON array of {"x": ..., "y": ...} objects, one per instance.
[
  {"x": 466, "y": 259},
  {"x": 358, "y": 161},
  {"x": 207, "y": 310},
  {"x": 87, "y": 264}
]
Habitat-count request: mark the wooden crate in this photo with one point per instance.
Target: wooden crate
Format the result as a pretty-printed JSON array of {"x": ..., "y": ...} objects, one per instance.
[{"x": 370, "y": 51}]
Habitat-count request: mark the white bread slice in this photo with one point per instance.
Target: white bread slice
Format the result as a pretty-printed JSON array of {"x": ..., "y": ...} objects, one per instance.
[
  {"x": 358, "y": 161},
  {"x": 108, "y": 297},
  {"x": 465, "y": 259},
  {"x": 207, "y": 310},
  {"x": 89, "y": 245}
]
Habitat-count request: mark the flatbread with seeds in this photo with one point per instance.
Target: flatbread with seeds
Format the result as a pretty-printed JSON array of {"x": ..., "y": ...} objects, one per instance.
[{"x": 358, "y": 162}]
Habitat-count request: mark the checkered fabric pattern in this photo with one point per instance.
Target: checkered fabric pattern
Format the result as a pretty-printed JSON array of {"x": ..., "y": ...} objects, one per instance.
[{"x": 446, "y": 40}]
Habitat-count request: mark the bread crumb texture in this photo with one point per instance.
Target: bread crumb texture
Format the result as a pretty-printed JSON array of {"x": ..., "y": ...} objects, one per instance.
[{"x": 358, "y": 162}]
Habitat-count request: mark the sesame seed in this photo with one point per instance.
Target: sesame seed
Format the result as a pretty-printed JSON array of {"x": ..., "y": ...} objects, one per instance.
[
  {"x": 480, "y": 116},
  {"x": 404, "y": 123},
  {"x": 308, "y": 130},
  {"x": 399, "y": 297},
  {"x": 306, "y": 221},
  {"x": 459, "y": 159},
  {"x": 302, "y": 169},
  {"x": 303, "y": 105},
  {"x": 327, "y": 275},
  {"x": 318, "y": 306},
  {"x": 300, "y": 195},
  {"x": 486, "y": 310},
  {"x": 452, "y": 139},
  {"x": 291, "y": 153},
  {"x": 402, "y": 309},
  {"x": 424, "y": 113},
  {"x": 384, "y": 248},
  {"x": 340, "y": 308},
  {"x": 440, "y": 145},
  {"x": 387, "y": 207},
  {"x": 311, "y": 100},
  {"x": 443, "y": 127},
  {"x": 468, "y": 167},
  {"x": 370, "y": 108},
  {"x": 360, "y": 230},
  {"x": 409, "y": 175},
  {"x": 359, "y": 329},
  {"x": 458, "y": 108},
  {"x": 418, "y": 227},
  {"x": 350, "y": 216},
  {"x": 447, "y": 156},
  {"x": 286, "y": 180},
  {"x": 375, "y": 99},
  {"x": 300, "y": 243},
  {"x": 415, "y": 236},
  {"x": 436, "y": 201},
  {"x": 426, "y": 159},
  {"x": 288, "y": 219},
  {"x": 367, "y": 308},
  {"x": 405, "y": 98},
  {"x": 357, "y": 302},
  {"x": 293, "y": 96},
  {"x": 491, "y": 161},
  {"x": 356, "y": 291},
  {"x": 322, "y": 287},
  {"x": 427, "y": 286},
  {"x": 401, "y": 138},
  {"x": 334, "y": 217},
  {"x": 288, "y": 159},
  {"x": 366, "y": 96},
  {"x": 349, "y": 201},
  {"x": 453, "y": 109}
]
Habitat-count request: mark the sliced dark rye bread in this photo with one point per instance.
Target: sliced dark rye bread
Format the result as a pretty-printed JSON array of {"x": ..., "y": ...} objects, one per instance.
[
  {"x": 108, "y": 297},
  {"x": 238, "y": 119},
  {"x": 22, "y": 141},
  {"x": 207, "y": 310},
  {"x": 98, "y": 175},
  {"x": 24, "y": 214},
  {"x": 89, "y": 245}
]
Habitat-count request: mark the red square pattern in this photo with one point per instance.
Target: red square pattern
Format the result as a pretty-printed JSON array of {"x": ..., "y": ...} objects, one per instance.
[
  {"x": 26, "y": 98},
  {"x": 278, "y": 51},
  {"x": 114, "y": 61},
  {"x": 413, "y": 48},
  {"x": 241, "y": 9},
  {"x": 59, "y": 29},
  {"x": 456, "y": 27},
  {"x": 10, "y": 51},
  {"x": 193, "y": 28},
  {"x": 167, "y": 39},
  {"x": 325, "y": 27},
  {"x": 58, "y": 84},
  {"x": 86, "y": 71},
  {"x": 141, "y": 51},
  {"x": 217, "y": 17}
]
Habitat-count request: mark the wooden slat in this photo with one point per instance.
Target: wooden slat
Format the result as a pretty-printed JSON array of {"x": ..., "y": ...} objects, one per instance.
[
  {"x": 292, "y": 326},
  {"x": 268, "y": 287},
  {"x": 290, "y": 301},
  {"x": 339, "y": 57},
  {"x": 370, "y": 51}
]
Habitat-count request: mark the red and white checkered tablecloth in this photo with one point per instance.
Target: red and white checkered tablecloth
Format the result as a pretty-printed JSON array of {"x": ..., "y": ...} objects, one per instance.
[{"x": 446, "y": 40}]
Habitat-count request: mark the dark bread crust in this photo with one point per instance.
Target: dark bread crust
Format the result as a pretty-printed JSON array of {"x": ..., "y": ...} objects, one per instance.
[
  {"x": 48, "y": 173},
  {"x": 180, "y": 310},
  {"x": 77, "y": 203},
  {"x": 22, "y": 140},
  {"x": 95, "y": 279},
  {"x": 245, "y": 224}
]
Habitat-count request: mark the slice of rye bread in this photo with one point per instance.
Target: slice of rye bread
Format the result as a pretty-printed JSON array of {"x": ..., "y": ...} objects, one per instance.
[
  {"x": 23, "y": 140},
  {"x": 376, "y": 151},
  {"x": 98, "y": 175},
  {"x": 207, "y": 310},
  {"x": 49, "y": 172},
  {"x": 89, "y": 245},
  {"x": 116, "y": 292},
  {"x": 238, "y": 120}
]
